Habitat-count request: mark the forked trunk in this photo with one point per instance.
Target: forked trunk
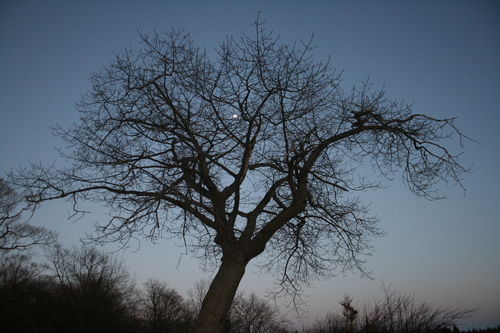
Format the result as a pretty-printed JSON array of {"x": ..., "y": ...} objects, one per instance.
[{"x": 213, "y": 316}]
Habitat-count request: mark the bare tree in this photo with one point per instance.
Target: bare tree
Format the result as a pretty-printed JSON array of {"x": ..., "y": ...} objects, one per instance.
[
  {"x": 254, "y": 315},
  {"x": 196, "y": 294},
  {"x": 257, "y": 150},
  {"x": 163, "y": 308},
  {"x": 14, "y": 233},
  {"x": 94, "y": 290}
]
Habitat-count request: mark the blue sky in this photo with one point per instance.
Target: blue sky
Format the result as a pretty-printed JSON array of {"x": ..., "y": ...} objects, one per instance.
[{"x": 442, "y": 55}]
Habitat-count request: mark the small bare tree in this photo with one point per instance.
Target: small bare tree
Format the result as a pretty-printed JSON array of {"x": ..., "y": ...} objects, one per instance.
[
  {"x": 254, "y": 315},
  {"x": 196, "y": 294},
  {"x": 163, "y": 309},
  {"x": 94, "y": 290},
  {"x": 257, "y": 151}
]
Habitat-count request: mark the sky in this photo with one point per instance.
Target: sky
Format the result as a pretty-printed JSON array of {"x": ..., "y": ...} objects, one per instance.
[{"x": 441, "y": 55}]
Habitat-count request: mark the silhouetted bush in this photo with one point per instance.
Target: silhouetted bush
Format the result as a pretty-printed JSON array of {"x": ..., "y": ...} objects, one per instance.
[{"x": 394, "y": 313}]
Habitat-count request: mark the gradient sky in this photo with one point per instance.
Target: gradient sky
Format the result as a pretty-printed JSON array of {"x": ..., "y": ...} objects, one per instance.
[{"x": 441, "y": 55}]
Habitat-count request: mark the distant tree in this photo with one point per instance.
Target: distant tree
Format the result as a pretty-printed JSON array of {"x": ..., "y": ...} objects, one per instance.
[
  {"x": 349, "y": 312},
  {"x": 15, "y": 233},
  {"x": 259, "y": 150},
  {"x": 196, "y": 294},
  {"x": 163, "y": 309},
  {"x": 254, "y": 315},
  {"x": 26, "y": 298},
  {"x": 93, "y": 290}
]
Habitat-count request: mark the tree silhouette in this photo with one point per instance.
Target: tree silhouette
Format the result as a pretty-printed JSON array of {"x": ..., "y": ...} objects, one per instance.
[
  {"x": 93, "y": 290},
  {"x": 163, "y": 309},
  {"x": 26, "y": 300},
  {"x": 254, "y": 315},
  {"x": 349, "y": 312},
  {"x": 258, "y": 150},
  {"x": 196, "y": 294}
]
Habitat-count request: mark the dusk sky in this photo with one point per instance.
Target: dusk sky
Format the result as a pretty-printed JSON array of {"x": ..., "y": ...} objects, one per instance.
[{"x": 442, "y": 55}]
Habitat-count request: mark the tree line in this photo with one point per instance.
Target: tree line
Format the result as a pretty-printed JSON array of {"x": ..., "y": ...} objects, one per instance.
[{"x": 82, "y": 289}]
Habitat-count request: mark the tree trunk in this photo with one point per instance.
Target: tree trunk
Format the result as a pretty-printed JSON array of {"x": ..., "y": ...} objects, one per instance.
[{"x": 213, "y": 316}]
